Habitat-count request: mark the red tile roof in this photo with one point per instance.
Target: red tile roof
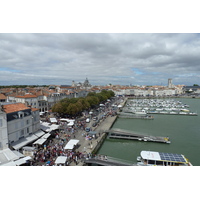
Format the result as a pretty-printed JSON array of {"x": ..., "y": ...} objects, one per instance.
[
  {"x": 34, "y": 109},
  {"x": 27, "y": 96},
  {"x": 2, "y": 96},
  {"x": 14, "y": 107}
]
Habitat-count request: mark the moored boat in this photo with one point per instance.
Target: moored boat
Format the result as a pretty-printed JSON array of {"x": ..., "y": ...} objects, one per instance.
[{"x": 152, "y": 158}]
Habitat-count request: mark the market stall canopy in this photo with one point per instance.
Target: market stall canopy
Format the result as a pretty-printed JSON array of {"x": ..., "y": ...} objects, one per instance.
[
  {"x": 39, "y": 133},
  {"x": 6, "y": 155},
  {"x": 40, "y": 141},
  {"x": 22, "y": 160},
  {"x": 70, "y": 124},
  {"x": 54, "y": 127},
  {"x": 47, "y": 135},
  {"x": 70, "y": 145},
  {"x": 44, "y": 126},
  {"x": 53, "y": 120},
  {"x": 61, "y": 160},
  {"x": 24, "y": 141}
]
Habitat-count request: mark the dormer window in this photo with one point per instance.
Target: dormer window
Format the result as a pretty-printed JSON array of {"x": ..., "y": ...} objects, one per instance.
[{"x": 20, "y": 114}]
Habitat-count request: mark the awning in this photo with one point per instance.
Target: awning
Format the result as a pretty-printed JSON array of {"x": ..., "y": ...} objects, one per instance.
[
  {"x": 40, "y": 141},
  {"x": 44, "y": 126},
  {"x": 27, "y": 148},
  {"x": 22, "y": 160},
  {"x": 20, "y": 155},
  {"x": 61, "y": 160},
  {"x": 39, "y": 133},
  {"x": 54, "y": 127},
  {"x": 47, "y": 135},
  {"x": 11, "y": 163},
  {"x": 24, "y": 141},
  {"x": 7, "y": 155}
]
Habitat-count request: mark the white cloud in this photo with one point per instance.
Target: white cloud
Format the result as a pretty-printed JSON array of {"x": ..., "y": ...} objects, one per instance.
[{"x": 103, "y": 58}]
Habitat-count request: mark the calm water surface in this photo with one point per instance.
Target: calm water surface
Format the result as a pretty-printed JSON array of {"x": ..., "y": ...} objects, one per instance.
[{"x": 184, "y": 133}]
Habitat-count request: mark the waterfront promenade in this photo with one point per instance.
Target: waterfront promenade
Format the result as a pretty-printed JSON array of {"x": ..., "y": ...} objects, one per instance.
[{"x": 92, "y": 145}]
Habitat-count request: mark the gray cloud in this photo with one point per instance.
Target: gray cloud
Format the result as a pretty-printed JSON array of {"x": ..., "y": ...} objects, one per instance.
[{"x": 103, "y": 58}]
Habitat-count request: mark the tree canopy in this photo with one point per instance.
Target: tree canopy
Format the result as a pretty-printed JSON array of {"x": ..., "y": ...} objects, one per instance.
[{"x": 75, "y": 106}]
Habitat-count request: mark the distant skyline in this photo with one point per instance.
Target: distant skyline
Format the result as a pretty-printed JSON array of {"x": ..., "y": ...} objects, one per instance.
[{"x": 124, "y": 59}]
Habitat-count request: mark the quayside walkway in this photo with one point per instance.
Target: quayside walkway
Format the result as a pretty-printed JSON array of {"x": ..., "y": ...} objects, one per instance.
[
  {"x": 107, "y": 161},
  {"x": 124, "y": 134}
]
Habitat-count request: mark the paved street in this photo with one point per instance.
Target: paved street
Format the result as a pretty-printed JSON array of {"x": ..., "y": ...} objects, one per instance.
[{"x": 88, "y": 146}]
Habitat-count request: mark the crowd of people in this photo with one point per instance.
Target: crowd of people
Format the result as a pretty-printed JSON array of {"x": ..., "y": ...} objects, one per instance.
[{"x": 46, "y": 154}]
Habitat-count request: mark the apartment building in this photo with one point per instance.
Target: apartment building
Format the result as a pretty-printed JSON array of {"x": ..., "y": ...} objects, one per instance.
[
  {"x": 3, "y": 131},
  {"x": 23, "y": 125}
]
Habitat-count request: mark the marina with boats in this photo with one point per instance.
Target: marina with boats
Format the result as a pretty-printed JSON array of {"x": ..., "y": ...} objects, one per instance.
[
  {"x": 176, "y": 127},
  {"x": 157, "y": 106}
]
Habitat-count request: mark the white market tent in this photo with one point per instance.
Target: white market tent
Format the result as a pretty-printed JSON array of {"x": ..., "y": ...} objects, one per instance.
[
  {"x": 52, "y": 127},
  {"x": 70, "y": 124},
  {"x": 70, "y": 145},
  {"x": 53, "y": 120},
  {"x": 22, "y": 160},
  {"x": 41, "y": 113},
  {"x": 61, "y": 160}
]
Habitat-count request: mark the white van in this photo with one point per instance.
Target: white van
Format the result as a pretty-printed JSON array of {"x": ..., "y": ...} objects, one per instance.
[{"x": 87, "y": 120}]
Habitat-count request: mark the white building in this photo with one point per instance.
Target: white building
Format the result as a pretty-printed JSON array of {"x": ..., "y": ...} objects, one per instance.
[
  {"x": 23, "y": 125},
  {"x": 3, "y": 131}
]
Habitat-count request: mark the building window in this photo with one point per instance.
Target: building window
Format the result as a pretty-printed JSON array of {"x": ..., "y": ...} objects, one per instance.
[
  {"x": 27, "y": 121},
  {"x": 1, "y": 122},
  {"x": 22, "y": 123},
  {"x": 22, "y": 133},
  {"x": 27, "y": 130},
  {"x": 16, "y": 125}
]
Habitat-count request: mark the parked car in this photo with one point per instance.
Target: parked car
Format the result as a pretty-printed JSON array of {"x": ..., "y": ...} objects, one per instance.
[
  {"x": 95, "y": 118},
  {"x": 87, "y": 120},
  {"x": 87, "y": 129},
  {"x": 94, "y": 124}
]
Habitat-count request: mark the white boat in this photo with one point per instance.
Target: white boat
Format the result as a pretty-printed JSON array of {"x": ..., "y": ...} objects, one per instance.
[{"x": 152, "y": 158}]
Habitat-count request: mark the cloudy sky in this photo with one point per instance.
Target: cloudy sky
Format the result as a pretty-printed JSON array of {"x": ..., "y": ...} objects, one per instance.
[{"x": 137, "y": 59}]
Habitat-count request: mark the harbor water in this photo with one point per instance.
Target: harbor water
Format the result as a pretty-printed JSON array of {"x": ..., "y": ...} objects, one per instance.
[{"x": 183, "y": 131}]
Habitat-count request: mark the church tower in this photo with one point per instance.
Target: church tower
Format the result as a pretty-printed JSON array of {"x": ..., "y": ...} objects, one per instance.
[{"x": 170, "y": 85}]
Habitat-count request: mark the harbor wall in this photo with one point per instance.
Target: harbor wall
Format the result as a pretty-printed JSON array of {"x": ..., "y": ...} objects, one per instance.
[{"x": 104, "y": 126}]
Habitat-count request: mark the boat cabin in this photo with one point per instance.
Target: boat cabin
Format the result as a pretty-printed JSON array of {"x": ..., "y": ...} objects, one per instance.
[{"x": 149, "y": 158}]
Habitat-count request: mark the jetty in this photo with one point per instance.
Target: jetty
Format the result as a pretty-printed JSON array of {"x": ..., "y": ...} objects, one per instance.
[
  {"x": 133, "y": 116},
  {"x": 173, "y": 113},
  {"x": 102, "y": 160},
  {"x": 124, "y": 134}
]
